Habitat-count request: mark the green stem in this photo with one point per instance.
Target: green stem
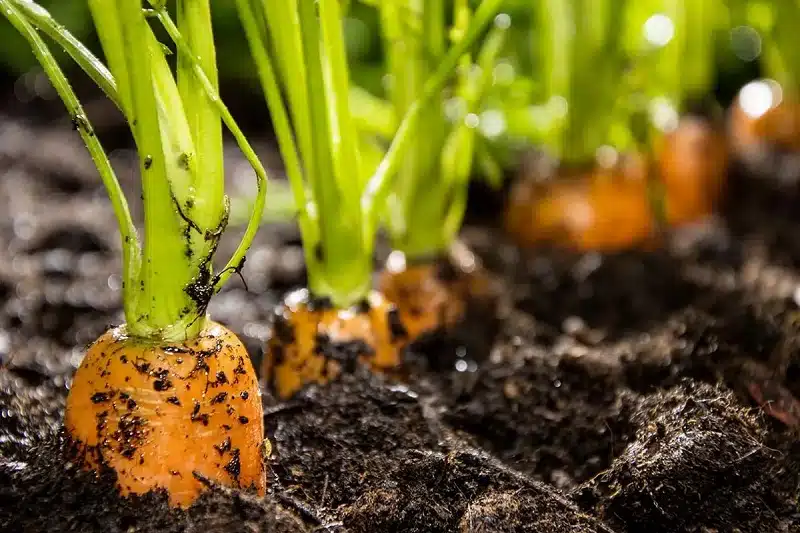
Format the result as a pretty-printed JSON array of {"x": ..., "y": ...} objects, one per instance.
[
  {"x": 381, "y": 182},
  {"x": 337, "y": 266},
  {"x": 131, "y": 251},
  {"x": 434, "y": 28},
  {"x": 372, "y": 115},
  {"x": 342, "y": 265},
  {"x": 166, "y": 312},
  {"x": 283, "y": 22},
  {"x": 236, "y": 260},
  {"x": 194, "y": 24},
  {"x": 343, "y": 132},
  {"x": 93, "y": 67},
  {"x": 783, "y": 53},
  {"x": 409, "y": 66},
  {"x": 461, "y": 144},
  {"x": 105, "y": 15},
  {"x": 698, "y": 50},
  {"x": 306, "y": 208}
]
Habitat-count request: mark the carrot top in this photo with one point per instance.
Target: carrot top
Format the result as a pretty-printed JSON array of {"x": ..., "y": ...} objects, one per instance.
[
  {"x": 298, "y": 48},
  {"x": 175, "y": 120}
]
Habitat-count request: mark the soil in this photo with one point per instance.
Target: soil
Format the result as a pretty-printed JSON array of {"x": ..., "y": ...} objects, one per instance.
[{"x": 640, "y": 391}]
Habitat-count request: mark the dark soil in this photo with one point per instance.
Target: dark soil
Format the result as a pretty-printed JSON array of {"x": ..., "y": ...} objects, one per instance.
[{"x": 623, "y": 392}]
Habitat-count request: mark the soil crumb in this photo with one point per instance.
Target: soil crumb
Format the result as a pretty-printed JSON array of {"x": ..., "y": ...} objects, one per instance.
[{"x": 699, "y": 462}]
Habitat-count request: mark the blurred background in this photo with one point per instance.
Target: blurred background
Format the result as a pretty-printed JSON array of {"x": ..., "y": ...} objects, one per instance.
[
  {"x": 734, "y": 33},
  {"x": 581, "y": 89}
]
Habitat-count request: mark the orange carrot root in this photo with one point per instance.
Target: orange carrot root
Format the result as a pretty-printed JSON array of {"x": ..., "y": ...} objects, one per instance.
[
  {"x": 611, "y": 209},
  {"x": 314, "y": 342},
  {"x": 591, "y": 211},
  {"x": 435, "y": 294},
  {"x": 158, "y": 415},
  {"x": 763, "y": 118},
  {"x": 692, "y": 162}
]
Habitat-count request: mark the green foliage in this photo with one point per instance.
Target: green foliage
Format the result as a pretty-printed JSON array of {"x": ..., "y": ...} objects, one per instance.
[
  {"x": 776, "y": 23},
  {"x": 603, "y": 64},
  {"x": 300, "y": 54},
  {"x": 426, "y": 206},
  {"x": 17, "y": 57},
  {"x": 176, "y": 125}
]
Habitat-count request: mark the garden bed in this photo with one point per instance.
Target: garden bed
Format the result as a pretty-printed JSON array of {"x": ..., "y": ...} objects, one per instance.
[{"x": 621, "y": 394}]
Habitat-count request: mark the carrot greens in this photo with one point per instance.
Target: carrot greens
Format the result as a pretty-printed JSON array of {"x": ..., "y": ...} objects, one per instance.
[
  {"x": 176, "y": 124},
  {"x": 605, "y": 64},
  {"x": 298, "y": 48},
  {"x": 426, "y": 206},
  {"x": 775, "y": 21}
]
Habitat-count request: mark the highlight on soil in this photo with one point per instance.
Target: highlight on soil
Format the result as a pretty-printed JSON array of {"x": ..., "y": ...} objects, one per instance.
[
  {"x": 169, "y": 400},
  {"x": 623, "y": 158},
  {"x": 339, "y": 321}
]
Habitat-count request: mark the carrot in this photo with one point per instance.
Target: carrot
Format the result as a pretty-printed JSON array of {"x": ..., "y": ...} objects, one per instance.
[
  {"x": 586, "y": 210},
  {"x": 617, "y": 93},
  {"x": 612, "y": 209},
  {"x": 692, "y": 163},
  {"x": 434, "y": 295},
  {"x": 161, "y": 415},
  {"x": 169, "y": 398},
  {"x": 339, "y": 322},
  {"x": 314, "y": 342},
  {"x": 764, "y": 118}
]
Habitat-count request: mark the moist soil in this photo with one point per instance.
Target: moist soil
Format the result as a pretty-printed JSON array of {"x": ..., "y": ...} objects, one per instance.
[{"x": 640, "y": 391}]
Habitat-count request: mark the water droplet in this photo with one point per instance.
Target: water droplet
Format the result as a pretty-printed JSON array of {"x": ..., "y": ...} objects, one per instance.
[
  {"x": 396, "y": 262},
  {"x": 745, "y": 43},
  {"x": 503, "y": 73},
  {"x": 758, "y": 97},
  {"x": 558, "y": 106},
  {"x": 493, "y": 123},
  {"x": 659, "y": 29},
  {"x": 573, "y": 325},
  {"x": 24, "y": 227},
  {"x": 503, "y": 21},
  {"x": 42, "y": 86},
  {"x": 663, "y": 114},
  {"x": 455, "y": 108},
  {"x": 606, "y": 156},
  {"x": 403, "y": 389},
  {"x": 796, "y": 296}
]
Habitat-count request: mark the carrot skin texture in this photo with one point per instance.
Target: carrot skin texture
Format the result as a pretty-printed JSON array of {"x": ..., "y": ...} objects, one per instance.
[
  {"x": 435, "y": 294},
  {"x": 157, "y": 415},
  {"x": 310, "y": 335},
  {"x": 777, "y": 128}
]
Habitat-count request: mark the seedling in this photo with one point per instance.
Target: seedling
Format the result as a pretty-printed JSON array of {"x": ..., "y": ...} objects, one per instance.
[
  {"x": 616, "y": 75},
  {"x": 339, "y": 321},
  {"x": 431, "y": 281},
  {"x": 170, "y": 396}
]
